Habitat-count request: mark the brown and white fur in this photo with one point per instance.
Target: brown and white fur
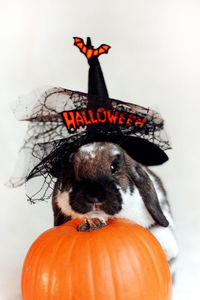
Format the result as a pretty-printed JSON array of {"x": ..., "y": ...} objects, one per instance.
[{"x": 101, "y": 181}]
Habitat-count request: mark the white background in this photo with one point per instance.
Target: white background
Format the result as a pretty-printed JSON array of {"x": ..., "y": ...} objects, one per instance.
[{"x": 154, "y": 60}]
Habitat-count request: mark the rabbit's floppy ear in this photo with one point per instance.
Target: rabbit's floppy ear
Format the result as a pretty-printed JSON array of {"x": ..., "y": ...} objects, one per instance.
[{"x": 147, "y": 191}]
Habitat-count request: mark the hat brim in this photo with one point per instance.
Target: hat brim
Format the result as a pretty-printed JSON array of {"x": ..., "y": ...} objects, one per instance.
[
  {"x": 48, "y": 139},
  {"x": 139, "y": 149},
  {"x": 144, "y": 151}
]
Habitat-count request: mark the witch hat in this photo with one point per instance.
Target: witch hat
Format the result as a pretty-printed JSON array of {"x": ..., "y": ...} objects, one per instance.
[
  {"x": 62, "y": 120},
  {"x": 140, "y": 149}
]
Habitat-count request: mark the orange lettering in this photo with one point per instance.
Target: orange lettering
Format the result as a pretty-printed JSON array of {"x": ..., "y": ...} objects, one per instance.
[
  {"x": 100, "y": 111},
  {"x": 140, "y": 122},
  {"x": 94, "y": 121},
  {"x": 121, "y": 119},
  {"x": 112, "y": 118},
  {"x": 130, "y": 120},
  {"x": 87, "y": 122},
  {"x": 79, "y": 119},
  {"x": 69, "y": 122}
]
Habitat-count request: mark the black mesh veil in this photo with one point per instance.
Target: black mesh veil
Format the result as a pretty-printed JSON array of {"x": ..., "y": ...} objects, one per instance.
[{"x": 50, "y": 140}]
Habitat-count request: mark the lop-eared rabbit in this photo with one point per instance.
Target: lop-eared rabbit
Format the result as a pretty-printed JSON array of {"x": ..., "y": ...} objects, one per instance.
[{"x": 101, "y": 181}]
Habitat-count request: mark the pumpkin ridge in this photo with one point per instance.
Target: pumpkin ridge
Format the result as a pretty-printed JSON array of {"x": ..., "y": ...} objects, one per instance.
[
  {"x": 136, "y": 265},
  {"x": 91, "y": 270},
  {"x": 54, "y": 254},
  {"x": 110, "y": 265},
  {"x": 134, "y": 260},
  {"x": 142, "y": 252},
  {"x": 116, "y": 257},
  {"x": 154, "y": 259},
  {"x": 36, "y": 251},
  {"x": 75, "y": 238},
  {"x": 155, "y": 270},
  {"x": 81, "y": 249}
]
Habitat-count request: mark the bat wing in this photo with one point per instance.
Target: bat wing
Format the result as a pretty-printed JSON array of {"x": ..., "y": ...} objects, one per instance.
[
  {"x": 89, "y": 51},
  {"x": 78, "y": 42},
  {"x": 81, "y": 45},
  {"x": 101, "y": 49}
]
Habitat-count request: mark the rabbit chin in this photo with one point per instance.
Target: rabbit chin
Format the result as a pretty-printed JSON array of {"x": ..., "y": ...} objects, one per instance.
[{"x": 62, "y": 200}]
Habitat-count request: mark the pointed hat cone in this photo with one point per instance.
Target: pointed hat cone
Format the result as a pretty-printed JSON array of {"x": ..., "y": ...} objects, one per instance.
[{"x": 96, "y": 82}]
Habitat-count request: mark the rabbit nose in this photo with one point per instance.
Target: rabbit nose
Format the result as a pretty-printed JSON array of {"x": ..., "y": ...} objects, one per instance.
[
  {"x": 94, "y": 194},
  {"x": 97, "y": 205},
  {"x": 91, "y": 198}
]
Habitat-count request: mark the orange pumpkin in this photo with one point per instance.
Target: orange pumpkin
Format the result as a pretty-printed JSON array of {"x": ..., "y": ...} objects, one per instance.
[{"x": 121, "y": 261}]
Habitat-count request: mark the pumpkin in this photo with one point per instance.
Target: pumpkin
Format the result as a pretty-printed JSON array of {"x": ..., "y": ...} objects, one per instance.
[{"x": 121, "y": 261}]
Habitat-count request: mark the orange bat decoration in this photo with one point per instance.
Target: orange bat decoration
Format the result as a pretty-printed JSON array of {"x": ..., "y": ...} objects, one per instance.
[{"x": 89, "y": 51}]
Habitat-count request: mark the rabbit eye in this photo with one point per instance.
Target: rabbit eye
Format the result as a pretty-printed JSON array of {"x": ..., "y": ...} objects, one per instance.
[{"x": 114, "y": 167}]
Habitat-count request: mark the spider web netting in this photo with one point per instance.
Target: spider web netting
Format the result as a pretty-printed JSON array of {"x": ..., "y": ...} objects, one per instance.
[{"x": 48, "y": 144}]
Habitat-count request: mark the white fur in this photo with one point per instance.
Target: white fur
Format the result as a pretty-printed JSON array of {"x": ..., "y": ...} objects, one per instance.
[
  {"x": 92, "y": 149},
  {"x": 101, "y": 148},
  {"x": 133, "y": 208},
  {"x": 115, "y": 150},
  {"x": 89, "y": 149},
  {"x": 166, "y": 238},
  {"x": 89, "y": 156}
]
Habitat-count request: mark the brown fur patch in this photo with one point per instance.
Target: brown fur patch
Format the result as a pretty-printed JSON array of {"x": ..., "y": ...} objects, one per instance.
[{"x": 95, "y": 164}]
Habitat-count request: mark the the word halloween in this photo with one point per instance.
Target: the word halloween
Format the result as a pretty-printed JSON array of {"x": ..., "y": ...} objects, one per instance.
[{"x": 75, "y": 119}]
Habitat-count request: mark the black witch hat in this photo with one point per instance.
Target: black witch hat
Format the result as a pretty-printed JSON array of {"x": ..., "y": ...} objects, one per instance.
[
  {"x": 144, "y": 150},
  {"x": 61, "y": 120}
]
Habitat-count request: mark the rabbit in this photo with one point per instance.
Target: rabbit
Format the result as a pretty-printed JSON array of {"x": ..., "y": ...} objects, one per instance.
[{"x": 102, "y": 181}]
